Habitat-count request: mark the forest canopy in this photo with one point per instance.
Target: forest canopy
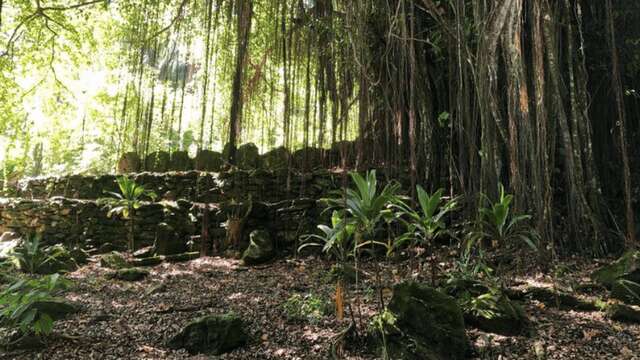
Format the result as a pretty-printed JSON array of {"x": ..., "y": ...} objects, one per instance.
[{"x": 540, "y": 96}]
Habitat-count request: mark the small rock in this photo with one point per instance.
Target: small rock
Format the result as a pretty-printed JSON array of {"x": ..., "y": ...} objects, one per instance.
[
  {"x": 114, "y": 260},
  {"x": 130, "y": 274}
]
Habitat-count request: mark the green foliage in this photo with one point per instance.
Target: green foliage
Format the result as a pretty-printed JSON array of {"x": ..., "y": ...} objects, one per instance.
[
  {"x": 427, "y": 223},
  {"x": 335, "y": 241},
  {"x": 308, "y": 307},
  {"x": 500, "y": 227},
  {"x": 32, "y": 258},
  {"x": 381, "y": 323},
  {"x": 127, "y": 202},
  {"x": 129, "y": 198},
  {"x": 16, "y": 303}
]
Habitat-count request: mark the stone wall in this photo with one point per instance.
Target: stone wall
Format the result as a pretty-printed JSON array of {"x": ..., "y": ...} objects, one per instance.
[
  {"x": 68, "y": 210},
  {"x": 73, "y": 221},
  {"x": 195, "y": 186}
]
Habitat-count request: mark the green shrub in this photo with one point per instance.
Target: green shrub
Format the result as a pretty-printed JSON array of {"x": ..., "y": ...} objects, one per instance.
[
  {"x": 17, "y": 301},
  {"x": 309, "y": 308}
]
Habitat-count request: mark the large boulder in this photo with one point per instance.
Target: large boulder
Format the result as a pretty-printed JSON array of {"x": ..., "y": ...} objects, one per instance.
[
  {"x": 277, "y": 158},
  {"x": 622, "y": 277},
  {"x": 213, "y": 334},
  {"x": 428, "y": 325},
  {"x": 626, "y": 267},
  {"x": 260, "y": 248},
  {"x": 167, "y": 241},
  {"x": 247, "y": 155},
  {"x": 188, "y": 256},
  {"x": 207, "y": 160},
  {"x": 627, "y": 291},
  {"x": 180, "y": 161},
  {"x": 157, "y": 161},
  {"x": 308, "y": 158},
  {"x": 129, "y": 163},
  {"x": 56, "y": 308},
  {"x": 623, "y": 313},
  {"x": 147, "y": 261}
]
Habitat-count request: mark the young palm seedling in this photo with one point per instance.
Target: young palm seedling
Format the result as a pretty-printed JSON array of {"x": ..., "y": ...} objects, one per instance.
[
  {"x": 127, "y": 202},
  {"x": 427, "y": 223},
  {"x": 335, "y": 242}
]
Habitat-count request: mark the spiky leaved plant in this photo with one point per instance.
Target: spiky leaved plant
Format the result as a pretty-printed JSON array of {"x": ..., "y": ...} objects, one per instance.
[{"x": 127, "y": 202}]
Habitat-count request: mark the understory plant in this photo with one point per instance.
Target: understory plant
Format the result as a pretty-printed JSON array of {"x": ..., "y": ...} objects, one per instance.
[
  {"x": 31, "y": 257},
  {"x": 358, "y": 212},
  {"x": 17, "y": 310},
  {"x": 427, "y": 223},
  {"x": 126, "y": 202},
  {"x": 335, "y": 242},
  {"x": 307, "y": 307},
  {"x": 502, "y": 228}
]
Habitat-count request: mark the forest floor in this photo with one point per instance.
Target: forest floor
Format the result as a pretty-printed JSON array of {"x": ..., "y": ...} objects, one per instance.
[{"x": 123, "y": 320}]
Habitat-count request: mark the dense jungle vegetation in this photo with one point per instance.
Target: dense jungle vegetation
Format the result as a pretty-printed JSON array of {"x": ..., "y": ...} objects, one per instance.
[{"x": 478, "y": 148}]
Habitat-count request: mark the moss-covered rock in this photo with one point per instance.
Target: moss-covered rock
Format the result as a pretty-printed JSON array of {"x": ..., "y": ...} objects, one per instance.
[
  {"x": 260, "y": 248},
  {"x": 187, "y": 256},
  {"x": 180, "y": 161},
  {"x": 148, "y": 261},
  {"x": 129, "y": 274},
  {"x": 247, "y": 155},
  {"x": 114, "y": 260},
  {"x": 56, "y": 308},
  {"x": 627, "y": 291},
  {"x": 277, "y": 158},
  {"x": 429, "y": 325},
  {"x": 157, "y": 161},
  {"x": 167, "y": 241},
  {"x": 627, "y": 267},
  {"x": 207, "y": 160},
  {"x": 213, "y": 334},
  {"x": 129, "y": 163},
  {"x": 623, "y": 313}
]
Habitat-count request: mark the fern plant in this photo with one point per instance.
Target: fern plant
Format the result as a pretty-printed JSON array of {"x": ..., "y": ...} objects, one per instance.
[
  {"x": 17, "y": 308},
  {"x": 127, "y": 202}
]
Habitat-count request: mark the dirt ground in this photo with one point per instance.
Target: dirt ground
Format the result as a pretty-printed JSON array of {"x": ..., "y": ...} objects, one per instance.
[{"x": 123, "y": 320}]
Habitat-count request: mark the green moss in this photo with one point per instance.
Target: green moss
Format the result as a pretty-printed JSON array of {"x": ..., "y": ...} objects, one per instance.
[
  {"x": 429, "y": 324},
  {"x": 213, "y": 334}
]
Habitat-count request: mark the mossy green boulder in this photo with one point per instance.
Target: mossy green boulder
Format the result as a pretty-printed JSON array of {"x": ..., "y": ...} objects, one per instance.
[
  {"x": 130, "y": 274},
  {"x": 627, "y": 291},
  {"x": 260, "y": 248},
  {"x": 148, "y": 261},
  {"x": 55, "y": 308},
  {"x": 627, "y": 267},
  {"x": 623, "y": 313},
  {"x": 114, "y": 260},
  {"x": 429, "y": 325},
  {"x": 213, "y": 334}
]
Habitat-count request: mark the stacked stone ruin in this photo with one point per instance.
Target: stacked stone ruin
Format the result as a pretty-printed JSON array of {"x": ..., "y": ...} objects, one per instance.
[{"x": 285, "y": 200}]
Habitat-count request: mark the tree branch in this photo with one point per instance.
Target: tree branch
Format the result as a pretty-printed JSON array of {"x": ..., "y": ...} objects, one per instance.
[{"x": 173, "y": 21}]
